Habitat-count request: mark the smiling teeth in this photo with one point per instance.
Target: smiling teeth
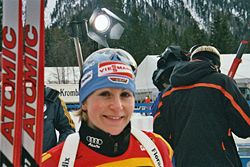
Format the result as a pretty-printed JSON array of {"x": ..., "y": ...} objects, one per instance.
[{"x": 115, "y": 117}]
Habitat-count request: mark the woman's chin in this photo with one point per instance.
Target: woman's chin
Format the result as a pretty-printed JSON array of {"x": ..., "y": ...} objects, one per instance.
[{"x": 114, "y": 131}]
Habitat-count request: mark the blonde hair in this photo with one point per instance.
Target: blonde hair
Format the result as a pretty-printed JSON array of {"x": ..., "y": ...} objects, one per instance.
[{"x": 82, "y": 114}]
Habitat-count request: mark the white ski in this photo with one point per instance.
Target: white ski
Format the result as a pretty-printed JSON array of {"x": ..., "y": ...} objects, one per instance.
[
  {"x": 33, "y": 83},
  {"x": 12, "y": 73}
]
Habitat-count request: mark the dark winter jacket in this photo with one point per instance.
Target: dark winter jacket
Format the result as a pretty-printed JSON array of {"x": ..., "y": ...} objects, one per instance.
[
  {"x": 56, "y": 117},
  {"x": 198, "y": 114}
]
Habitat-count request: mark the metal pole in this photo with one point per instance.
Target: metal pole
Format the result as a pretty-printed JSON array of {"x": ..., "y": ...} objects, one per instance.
[
  {"x": 78, "y": 49},
  {"x": 78, "y": 53}
]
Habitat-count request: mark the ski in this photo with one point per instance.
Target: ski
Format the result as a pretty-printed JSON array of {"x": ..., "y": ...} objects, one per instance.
[
  {"x": 33, "y": 83},
  {"x": 237, "y": 60},
  {"x": 12, "y": 73}
]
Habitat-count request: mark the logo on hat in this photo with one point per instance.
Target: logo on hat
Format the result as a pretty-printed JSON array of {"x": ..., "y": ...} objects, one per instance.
[
  {"x": 86, "y": 78},
  {"x": 115, "y": 68},
  {"x": 118, "y": 79}
]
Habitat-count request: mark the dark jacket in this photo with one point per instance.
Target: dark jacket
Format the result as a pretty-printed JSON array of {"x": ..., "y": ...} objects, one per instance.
[
  {"x": 56, "y": 117},
  {"x": 199, "y": 113}
]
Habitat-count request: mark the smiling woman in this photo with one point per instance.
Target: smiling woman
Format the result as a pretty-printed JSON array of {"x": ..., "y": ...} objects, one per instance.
[
  {"x": 109, "y": 109},
  {"x": 107, "y": 88}
]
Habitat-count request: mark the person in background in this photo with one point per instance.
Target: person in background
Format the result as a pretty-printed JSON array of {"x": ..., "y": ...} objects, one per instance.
[
  {"x": 200, "y": 112},
  {"x": 107, "y": 98},
  {"x": 165, "y": 65},
  {"x": 147, "y": 99},
  {"x": 56, "y": 118}
]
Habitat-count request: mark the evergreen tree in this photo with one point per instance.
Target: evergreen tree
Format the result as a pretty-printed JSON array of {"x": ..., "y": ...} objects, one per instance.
[
  {"x": 193, "y": 35},
  {"x": 221, "y": 36},
  {"x": 150, "y": 27},
  {"x": 135, "y": 36},
  {"x": 60, "y": 50}
]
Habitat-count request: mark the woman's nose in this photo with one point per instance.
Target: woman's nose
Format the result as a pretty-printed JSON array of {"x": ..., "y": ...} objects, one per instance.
[{"x": 117, "y": 103}]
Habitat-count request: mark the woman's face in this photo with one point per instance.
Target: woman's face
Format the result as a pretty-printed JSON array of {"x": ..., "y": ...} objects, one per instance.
[{"x": 109, "y": 109}]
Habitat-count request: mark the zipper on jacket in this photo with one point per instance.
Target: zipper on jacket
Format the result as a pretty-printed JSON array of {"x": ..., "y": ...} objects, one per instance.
[{"x": 115, "y": 147}]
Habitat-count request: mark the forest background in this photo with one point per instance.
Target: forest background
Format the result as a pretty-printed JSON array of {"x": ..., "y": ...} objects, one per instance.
[{"x": 151, "y": 26}]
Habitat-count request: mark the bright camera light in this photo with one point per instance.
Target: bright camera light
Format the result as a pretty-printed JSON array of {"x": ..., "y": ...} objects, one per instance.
[{"x": 102, "y": 23}]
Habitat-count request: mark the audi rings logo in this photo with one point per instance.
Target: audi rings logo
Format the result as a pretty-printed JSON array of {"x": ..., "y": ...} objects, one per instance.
[{"x": 94, "y": 140}]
